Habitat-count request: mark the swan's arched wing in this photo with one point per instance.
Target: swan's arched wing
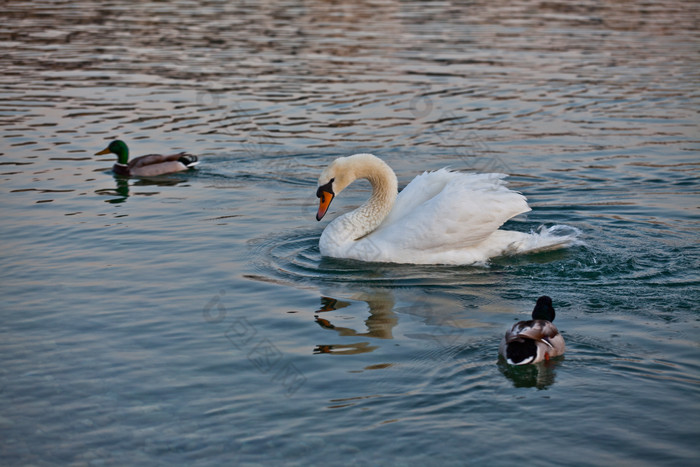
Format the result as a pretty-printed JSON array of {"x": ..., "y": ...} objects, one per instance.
[
  {"x": 422, "y": 188},
  {"x": 445, "y": 210}
]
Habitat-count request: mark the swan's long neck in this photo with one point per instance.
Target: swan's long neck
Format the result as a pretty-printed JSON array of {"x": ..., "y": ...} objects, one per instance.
[{"x": 369, "y": 215}]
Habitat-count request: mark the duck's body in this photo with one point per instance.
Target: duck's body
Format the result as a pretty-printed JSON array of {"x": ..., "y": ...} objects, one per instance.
[
  {"x": 534, "y": 340},
  {"x": 441, "y": 217},
  {"x": 150, "y": 165}
]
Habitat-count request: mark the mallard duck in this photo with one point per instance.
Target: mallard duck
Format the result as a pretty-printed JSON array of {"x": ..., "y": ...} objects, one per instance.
[
  {"x": 149, "y": 165},
  {"x": 441, "y": 217},
  {"x": 534, "y": 340}
]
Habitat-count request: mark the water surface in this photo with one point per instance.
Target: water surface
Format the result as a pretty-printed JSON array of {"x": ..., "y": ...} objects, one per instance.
[{"x": 190, "y": 319}]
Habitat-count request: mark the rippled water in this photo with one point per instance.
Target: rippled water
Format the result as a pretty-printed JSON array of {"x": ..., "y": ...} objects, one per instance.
[{"x": 190, "y": 319}]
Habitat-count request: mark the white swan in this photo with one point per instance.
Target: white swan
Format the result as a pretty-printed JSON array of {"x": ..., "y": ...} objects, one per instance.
[{"x": 441, "y": 217}]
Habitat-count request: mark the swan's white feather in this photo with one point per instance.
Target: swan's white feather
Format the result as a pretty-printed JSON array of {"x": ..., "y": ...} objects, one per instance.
[
  {"x": 442, "y": 217},
  {"x": 446, "y": 210}
]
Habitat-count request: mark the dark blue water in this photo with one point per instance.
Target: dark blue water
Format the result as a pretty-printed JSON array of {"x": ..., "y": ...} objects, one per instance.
[{"x": 191, "y": 320}]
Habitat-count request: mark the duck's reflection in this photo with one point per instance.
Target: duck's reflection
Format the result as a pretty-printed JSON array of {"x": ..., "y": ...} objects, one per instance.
[
  {"x": 539, "y": 375},
  {"x": 121, "y": 191},
  {"x": 379, "y": 324}
]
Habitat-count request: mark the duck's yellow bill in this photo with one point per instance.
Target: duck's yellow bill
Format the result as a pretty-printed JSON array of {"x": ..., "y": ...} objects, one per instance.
[
  {"x": 104, "y": 151},
  {"x": 325, "y": 199}
]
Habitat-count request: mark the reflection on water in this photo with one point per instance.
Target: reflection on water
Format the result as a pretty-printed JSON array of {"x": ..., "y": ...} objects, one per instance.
[
  {"x": 121, "y": 192},
  {"x": 378, "y": 325},
  {"x": 540, "y": 375},
  {"x": 345, "y": 349},
  {"x": 381, "y": 318}
]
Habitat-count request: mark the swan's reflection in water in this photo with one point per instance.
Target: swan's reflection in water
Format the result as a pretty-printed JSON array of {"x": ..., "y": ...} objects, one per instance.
[
  {"x": 379, "y": 324},
  {"x": 540, "y": 375},
  {"x": 345, "y": 349}
]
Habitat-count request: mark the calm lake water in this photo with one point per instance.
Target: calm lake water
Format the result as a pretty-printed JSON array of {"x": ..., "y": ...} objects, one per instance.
[{"x": 191, "y": 320}]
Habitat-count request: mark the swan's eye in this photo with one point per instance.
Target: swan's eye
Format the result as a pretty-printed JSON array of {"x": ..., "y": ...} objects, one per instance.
[{"x": 328, "y": 188}]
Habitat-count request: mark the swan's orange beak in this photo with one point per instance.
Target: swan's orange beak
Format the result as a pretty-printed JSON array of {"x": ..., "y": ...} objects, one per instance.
[{"x": 325, "y": 199}]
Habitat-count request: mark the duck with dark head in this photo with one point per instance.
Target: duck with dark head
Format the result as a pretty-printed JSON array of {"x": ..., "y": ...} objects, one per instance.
[
  {"x": 150, "y": 165},
  {"x": 534, "y": 340}
]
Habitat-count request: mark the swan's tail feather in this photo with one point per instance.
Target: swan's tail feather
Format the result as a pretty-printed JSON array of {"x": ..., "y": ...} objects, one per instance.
[{"x": 548, "y": 239}]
